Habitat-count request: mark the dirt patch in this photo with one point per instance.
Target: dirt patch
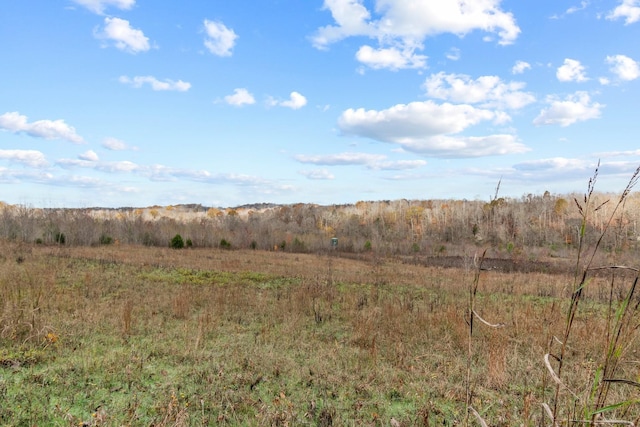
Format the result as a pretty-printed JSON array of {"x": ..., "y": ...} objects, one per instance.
[{"x": 559, "y": 266}]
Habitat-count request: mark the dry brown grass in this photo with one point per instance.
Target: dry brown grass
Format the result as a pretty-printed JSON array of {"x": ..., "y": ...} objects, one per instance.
[{"x": 294, "y": 338}]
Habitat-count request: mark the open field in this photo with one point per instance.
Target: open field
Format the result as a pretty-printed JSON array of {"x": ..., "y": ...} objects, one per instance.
[{"x": 130, "y": 335}]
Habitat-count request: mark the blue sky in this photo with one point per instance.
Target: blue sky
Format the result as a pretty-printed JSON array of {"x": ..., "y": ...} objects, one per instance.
[{"x": 153, "y": 102}]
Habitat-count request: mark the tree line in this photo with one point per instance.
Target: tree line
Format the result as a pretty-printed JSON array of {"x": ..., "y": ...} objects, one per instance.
[{"x": 403, "y": 227}]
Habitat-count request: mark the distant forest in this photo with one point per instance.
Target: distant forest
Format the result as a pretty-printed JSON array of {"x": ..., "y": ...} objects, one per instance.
[{"x": 514, "y": 227}]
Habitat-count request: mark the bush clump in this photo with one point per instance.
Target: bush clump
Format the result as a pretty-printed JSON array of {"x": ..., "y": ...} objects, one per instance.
[
  {"x": 177, "y": 242},
  {"x": 106, "y": 240},
  {"x": 60, "y": 238},
  {"x": 224, "y": 244}
]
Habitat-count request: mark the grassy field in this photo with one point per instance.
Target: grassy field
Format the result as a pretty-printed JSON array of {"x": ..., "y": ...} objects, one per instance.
[{"x": 119, "y": 335}]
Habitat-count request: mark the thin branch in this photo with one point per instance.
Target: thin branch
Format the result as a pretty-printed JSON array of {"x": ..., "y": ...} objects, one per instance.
[
  {"x": 491, "y": 325},
  {"x": 478, "y": 417},
  {"x": 547, "y": 411},
  {"x": 556, "y": 378},
  {"x": 622, "y": 381}
]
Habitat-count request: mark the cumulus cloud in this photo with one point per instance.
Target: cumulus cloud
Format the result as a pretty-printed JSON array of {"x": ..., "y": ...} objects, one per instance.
[
  {"x": 90, "y": 156},
  {"x": 165, "y": 85},
  {"x": 624, "y": 67},
  {"x": 240, "y": 97},
  {"x": 47, "y": 129},
  {"x": 392, "y": 58},
  {"x": 520, "y": 67},
  {"x": 115, "y": 144},
  {"x": 31, "y": 158},
  {"x": 317, "y": 174},
  {"x": 574, "y": 108},
  {"x": 220, "y": 40},
  {"x": 99, "y": 6},
  {"x": 123, "y": 36},
  {"x": 489, "y": 91},
  {"x": 295, "y": 101},
  {"x": 402, "y": 26},
  {"x": 446, "y": 146},
  {"x": 430, "y": 129},
  {"x": 571, "y": 71},
  {"x": 627, "y": 9}
]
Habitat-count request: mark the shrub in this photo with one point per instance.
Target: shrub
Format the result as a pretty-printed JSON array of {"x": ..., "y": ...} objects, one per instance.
[
  {"x": 177, "y": 242},
  {"x": 60, "y": 238},
  {"x": 189, "y": 243},
  {"x": 106, "y": 240},
  {"x": 367, "y": 246},
  {"x": 224, "y": 244}
]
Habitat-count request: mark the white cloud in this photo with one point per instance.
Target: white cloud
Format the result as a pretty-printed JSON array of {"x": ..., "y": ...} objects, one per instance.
[
  {"x": 240, "y": 97},
  {"x": 317, "y": 174},
  {"x": 341, "y": 159},
  {"x": 624, "y": 67},
  {"x": 402, "y": 26},
  {"x": 574, "y": 9},
  {"x": 31, "y": 158},
  {"x": 520, "y": 67},
  {"x": 124, "y": 37},
  {"x": 427, "y": 128},
  {"x": 295, "y": 101},
  {"x": 571, "y": 71},
  {"x": 489, "y": 91},
  {"x": 108, "y": 167},
  {"x": 574, "y": 108},
  {"x": 115, "y": 144},
  {"x": 351, "y": 17},
  {"x": 99, "y": 6},
  {"x": 413, "y": 120},
  {"x": 121, "y": 166},
  {"x": 167, "y": 84},
  {"x": 554, "y": 163},
  {"x": 627, "y": 9},
  {"x": 47, "y": 129},
  {"x": 445, "y": 146},
  {"x": 220, "y": 40},
  {"x": 370, "y": 161},
  {"x": 90, "y": 156},
  {"x": 453, "y": 54},
  {"x": 398, "y": 165},
  {"x": 392, "y": 58},
  {"x": 564, "y": 170}
]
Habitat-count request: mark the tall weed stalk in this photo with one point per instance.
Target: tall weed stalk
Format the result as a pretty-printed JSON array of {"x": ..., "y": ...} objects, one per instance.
[
  {"x": 472, "y": 314},
  {"x": 593, "y": 405}
]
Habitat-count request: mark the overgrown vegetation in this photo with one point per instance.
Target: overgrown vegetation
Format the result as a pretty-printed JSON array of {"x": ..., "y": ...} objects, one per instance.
[
  {"x": 121, "y": 334},
  {"x": 532, "y": 227}
]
